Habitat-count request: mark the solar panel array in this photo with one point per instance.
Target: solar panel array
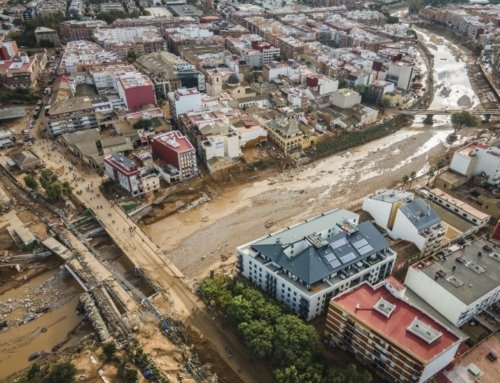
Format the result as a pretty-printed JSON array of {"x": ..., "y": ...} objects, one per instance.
[
  {"x": 339, "y": 243},
  {"x": 348, "y": 257},
  {"x": 358, "y": 244},
  {"x": 365, "y": 249}
]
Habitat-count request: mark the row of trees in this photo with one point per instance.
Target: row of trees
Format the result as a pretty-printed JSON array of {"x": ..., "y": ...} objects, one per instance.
[
  {"x": 270, "y": 332},
  {"x": 54, "y": 188},
  {"x": 58, "y": 373}
]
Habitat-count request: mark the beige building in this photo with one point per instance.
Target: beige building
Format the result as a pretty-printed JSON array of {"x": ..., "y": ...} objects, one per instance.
[
  {"x": 345, "y": 98},
  {"x": 45, "y": 35}
]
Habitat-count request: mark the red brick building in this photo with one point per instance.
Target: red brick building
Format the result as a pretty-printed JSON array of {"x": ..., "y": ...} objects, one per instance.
[{"x": 175, "y": 149}]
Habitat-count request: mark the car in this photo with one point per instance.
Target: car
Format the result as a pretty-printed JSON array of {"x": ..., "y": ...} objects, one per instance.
[
  {"x": 487, "y": 248},
  {"x": 34, "y": 355}
]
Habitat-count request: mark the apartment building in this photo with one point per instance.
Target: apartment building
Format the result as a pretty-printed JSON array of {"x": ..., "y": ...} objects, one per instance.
[
  {"x": 345, "y": 98},
  {"x": 141, "y": 40},
  {"x": 169, "y": 72},
  {"x": 404, "y": 218},
  {"x": 195, "y": 34},
  {"x": 476, "y": 159},
  {"x": 184, "y": 100},
  {"x": 45, "y": 35},
  {"x": 135, "y": 90},
  {"x": 71, "y": 115},
  {"x": 8, "y": 50},
  {"x": 83, "y": 55},
  {"x": 174, "y": 149},
  {"x": 129, "y": 176},
  {"x": 382, "y": 329},
  {"x": 253, "y": 49},
  {"x": 460, "y": 284},
  {"x": 305, "y": 265},
  {"x": 400, "y": 74},
  {"x": 73, "y": 30},
  {"x": 21, "y": 71}
]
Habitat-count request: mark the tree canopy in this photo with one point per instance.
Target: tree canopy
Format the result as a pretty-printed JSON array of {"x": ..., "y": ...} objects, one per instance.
[
  {"x": 464, "y": 118},
  {"x": 58, "y": 373},
  {"x": 269, "y": 332}
]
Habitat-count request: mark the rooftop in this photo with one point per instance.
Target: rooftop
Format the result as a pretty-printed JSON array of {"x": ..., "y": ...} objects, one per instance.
[
  {"x": 420, "y": 214},
  {"x": 463, "y": 273},
  {"x": 174, "y": 140},
  {"x": 322, "y": 246},
  {"x": 460, "y": 204},
  {"x": 407, "y": 327},
  {"x": 392, "y": 195}
]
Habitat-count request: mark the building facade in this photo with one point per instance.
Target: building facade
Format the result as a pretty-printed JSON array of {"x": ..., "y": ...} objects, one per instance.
[
  {"x": 305, "y": 265},
  {"x": 129, "y": 176},
  {"x": 176, "y": 150},
  {"x": 461, "y": 284},
  {"x": 383, "y": 330}
]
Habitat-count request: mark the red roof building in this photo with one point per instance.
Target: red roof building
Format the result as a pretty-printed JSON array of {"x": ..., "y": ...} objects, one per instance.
[
  {"x": 378, "y": 325},
  {"x": 175, "y": 149}
]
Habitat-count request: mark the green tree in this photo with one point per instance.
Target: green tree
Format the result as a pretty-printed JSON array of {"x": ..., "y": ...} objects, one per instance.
[
  {"x": 47, "y": 178},
  {"x": 258, "y": 337},
  {"x": 361, "y": 89},
  {"x": 61, "y": 373},
  {"x": 413, "y": 175},
  {"x": 240, "y": 309},
  {"x": 441, "y": 163},
  {"x": 109, "y": 350},
  {"x": 405, "y": 180},
  {"x": 129, "y": 375},
  {"x": 111, "y": 16},
  {"x": 55, "y": 191},
  {"x": 30, "y": 181},
  {"x": 294, "y": 343},
  {"x": 385, "y": 102},
  {"x": 287, "y": 375},
  {"x": 350, "y": 374},
  {"x": 431, "y": 174},
  {"x": 131, "y": 56},
  {"x": 463, "y": 118}
]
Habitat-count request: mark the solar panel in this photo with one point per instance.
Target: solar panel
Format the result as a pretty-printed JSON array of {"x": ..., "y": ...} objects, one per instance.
[
  {"x": 348, "y": 257},
  {"x": 365, "y": 249},
  {"x": 360, "y": 243},
  {"x": 338, "y": 243},
  {"x": 330, "y": 257},
  {"x": 335, "y": 263}
]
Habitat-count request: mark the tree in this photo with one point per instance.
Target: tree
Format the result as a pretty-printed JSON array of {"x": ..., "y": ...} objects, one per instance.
[
  {"x": 350, "y": 374},
  {"x": 463, "y": 118},
  {"x": 143, "y": 124},
  {"x": 413, "y": 175},
  {"x": 258, "y": 337},
  {"x": 129, "y": 375},
  {"x": 431, "y": 174},
  {"x": 405, "y": 180},
  {"x": 240, "y": 309},
  {"x": 30, "y": 181},
  {"x": 61, "y": 373},
  {"x": 361, "y": 89},
  {"x": 111, "y": 16},
  {"x": 385, "y": 102},
  {"x": 109, "y": 350},
  {"x": 131, "y": 56}
]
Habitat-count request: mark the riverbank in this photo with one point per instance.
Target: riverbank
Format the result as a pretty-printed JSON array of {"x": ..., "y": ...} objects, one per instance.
[{"x": 480, "y": 83}]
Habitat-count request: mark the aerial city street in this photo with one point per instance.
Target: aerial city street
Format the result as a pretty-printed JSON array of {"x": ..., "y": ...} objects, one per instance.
[{"x": 249, "y": 191}]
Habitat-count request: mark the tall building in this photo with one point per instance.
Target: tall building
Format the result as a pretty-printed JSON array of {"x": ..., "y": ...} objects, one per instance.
[
  {"x": 382, "y": 329},
  {"x": 129, "y": 176},
  {"x": 176, "y": 150},
  {"x": 169, "y": 72},
  {"x": 184, "y": 100},
  {"x": 141, "y": 40},
  {"x": 73, "y": 30},
  {"x": 135, "y": 90},
  {"x": 253, "y": 49},
  {"x": 305, "y": 265},
  {"x": 400, "y": 74},
  {"x": 460, "y": 284},
  {"x": 8, "y": 50}
]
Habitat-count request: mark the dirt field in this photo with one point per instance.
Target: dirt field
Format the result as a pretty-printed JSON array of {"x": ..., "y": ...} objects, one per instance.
[{"x": 200, "y": 239}]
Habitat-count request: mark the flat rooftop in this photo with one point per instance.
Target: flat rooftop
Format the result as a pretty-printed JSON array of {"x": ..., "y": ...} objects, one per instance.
[
  {"x": 460, "y": 204},
  {"x": 478, "y": 358},
  {"x": 474, "y": 275},
  {"x": 401, "y": 325},
  {"x": 392, "y": 195}
]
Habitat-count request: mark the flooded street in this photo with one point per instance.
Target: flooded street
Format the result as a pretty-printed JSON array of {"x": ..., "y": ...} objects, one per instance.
[
  {"x": 24, "y": 335},
  {"x": 205, "y": 237}
]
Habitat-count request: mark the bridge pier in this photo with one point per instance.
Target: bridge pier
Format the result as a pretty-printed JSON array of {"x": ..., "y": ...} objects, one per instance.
[{"x": 428, "y": 119}]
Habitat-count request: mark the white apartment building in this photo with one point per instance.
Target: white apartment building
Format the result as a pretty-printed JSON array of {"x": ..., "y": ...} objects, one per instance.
[
  {"x": 400, "y": 74},
  {"x": 305, "y": 265},
  {"x": 408, "y": 219},
  {"x": 475, "y": 159},
  {"x": 253, "y": 49},
  {"x": 345, "y": 98},
  {"x": 460, "y": 285},
  {"x": 184, "y": 100}
]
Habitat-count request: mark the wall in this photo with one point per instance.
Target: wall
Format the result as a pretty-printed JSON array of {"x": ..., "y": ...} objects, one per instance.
[
  {"x": 439, "y": 363},
  {"x": 432, "y": 293},
  {"x": 460, "y": 163}
]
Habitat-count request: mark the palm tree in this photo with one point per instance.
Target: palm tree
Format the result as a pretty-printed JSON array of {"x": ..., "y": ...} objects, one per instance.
[
  {"x": 412, "y": 177},
  {"x": 405, "y": 180},
  {"x": 431, "y": 174}
]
